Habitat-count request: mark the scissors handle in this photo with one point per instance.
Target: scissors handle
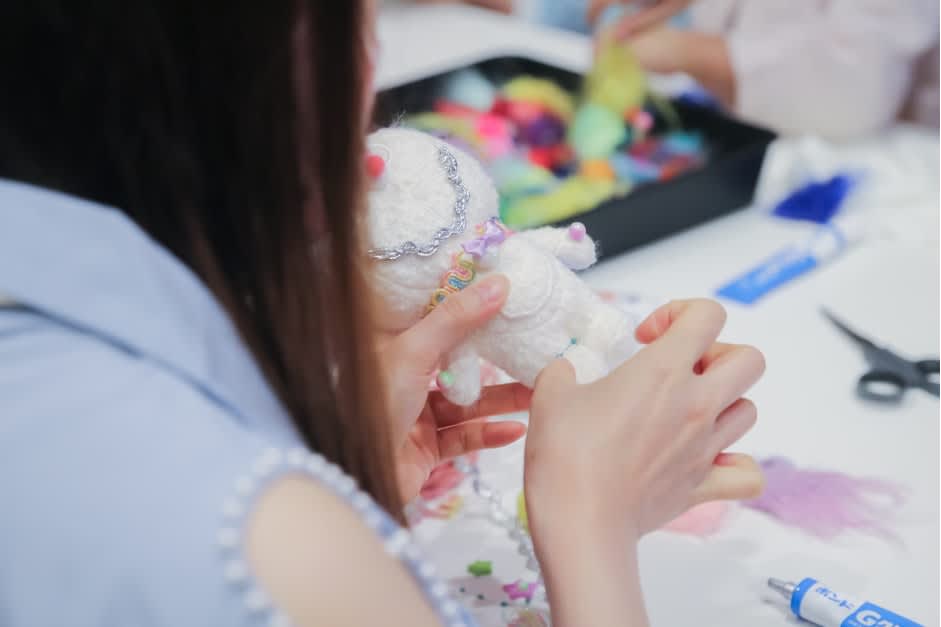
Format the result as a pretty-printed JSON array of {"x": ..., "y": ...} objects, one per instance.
[
  {"x": 929, "y": 370},
  {"x": 881, "y": 386}
]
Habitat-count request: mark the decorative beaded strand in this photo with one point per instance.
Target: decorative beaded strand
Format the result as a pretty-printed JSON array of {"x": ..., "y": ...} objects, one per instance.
[{"x": 502, "y": 519}]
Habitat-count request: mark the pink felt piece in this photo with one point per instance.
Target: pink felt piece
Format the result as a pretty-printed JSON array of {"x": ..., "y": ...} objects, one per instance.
[{"x": 702, "y": 520}]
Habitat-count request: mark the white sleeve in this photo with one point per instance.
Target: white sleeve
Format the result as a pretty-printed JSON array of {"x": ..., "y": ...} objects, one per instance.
[{"x": 836, "y": 68}]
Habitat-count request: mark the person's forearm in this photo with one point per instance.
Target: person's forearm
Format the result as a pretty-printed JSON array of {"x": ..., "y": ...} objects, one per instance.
[
  {"x": 706, "y": 59},
  {"x": 592, "y": 580},
  {"x": 503, "y": 6}
]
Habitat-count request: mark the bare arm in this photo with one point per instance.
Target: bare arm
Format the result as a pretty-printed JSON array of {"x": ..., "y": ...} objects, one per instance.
[
  {"x": 503, "y": 6},
  {"x": 318, "y": 561},
  {"x": 591, "y": 577}
]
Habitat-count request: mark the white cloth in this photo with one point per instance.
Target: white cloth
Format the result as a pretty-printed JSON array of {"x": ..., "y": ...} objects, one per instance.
[
  {"x": 835, "y": 68},
  {"x": 898, "y": 189}
]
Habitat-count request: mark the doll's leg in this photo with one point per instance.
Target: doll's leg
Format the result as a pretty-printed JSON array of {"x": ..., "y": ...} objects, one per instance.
[
  {"x": 589, "y": 364},
  {"x": 609, "y": 332},
  {"x": 460, "y": 379}
]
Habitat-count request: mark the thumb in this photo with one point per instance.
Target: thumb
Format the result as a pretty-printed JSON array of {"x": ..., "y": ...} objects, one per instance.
[
  {"x": 558, "y": 376},
  {"x": 738, "y": 477},
  {"x": 449, "y": 324}
]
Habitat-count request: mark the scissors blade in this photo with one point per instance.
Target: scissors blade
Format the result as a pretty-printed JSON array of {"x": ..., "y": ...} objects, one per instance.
[{"x": 856, "y": 337}]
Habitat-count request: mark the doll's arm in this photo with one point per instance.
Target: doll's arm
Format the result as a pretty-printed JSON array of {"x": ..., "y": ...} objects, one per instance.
[
  {"x": 571, "y": 245},
  {"x": 459, "y": 381}
]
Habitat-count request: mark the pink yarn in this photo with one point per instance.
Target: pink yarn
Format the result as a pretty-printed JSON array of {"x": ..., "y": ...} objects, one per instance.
[{"x": 826, "y": 503}]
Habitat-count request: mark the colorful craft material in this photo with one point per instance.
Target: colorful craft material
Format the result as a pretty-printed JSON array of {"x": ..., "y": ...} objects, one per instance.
[
  {"x": 554, "y": 153},
  {"x": 470, "y": 88},
  {"x": 551, "y": 157},
  {"x": 597, "y": 169},
  {"x": 519, "y": 112},
  {"x": 632, "y": 169},
  {"x": 459, "y": 130},
  {"x": 596, "y": 132},
  {"x": 456, "y": 109},
  {"x": 496, "y": 133},
  {"x": 616, "y": 80},
  {"x": 676, "y": 166},
  {"x": 682, "y": 143},
  {"x": 541, "y": 91},
  {"x": 514, "y": 176},
  {"x": 640, "y": 120},
  {"x": 544, "y": 130},
  {"x": 573, "y": 196}
]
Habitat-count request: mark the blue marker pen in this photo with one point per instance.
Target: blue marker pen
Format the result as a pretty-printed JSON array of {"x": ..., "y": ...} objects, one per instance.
[{"x": 818, "y": 604}]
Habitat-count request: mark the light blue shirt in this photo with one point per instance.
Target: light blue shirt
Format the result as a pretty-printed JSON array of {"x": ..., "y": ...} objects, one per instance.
[
  {"x": 572, "y": 15},
  {"x": 135, "y": 433}
]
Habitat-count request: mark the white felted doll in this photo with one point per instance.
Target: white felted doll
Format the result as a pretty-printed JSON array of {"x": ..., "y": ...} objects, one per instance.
[{"x": 433, "y": 229}]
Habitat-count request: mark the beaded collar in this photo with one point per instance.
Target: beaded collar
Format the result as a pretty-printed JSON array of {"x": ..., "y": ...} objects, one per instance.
[{"x": 478, "y": 253}]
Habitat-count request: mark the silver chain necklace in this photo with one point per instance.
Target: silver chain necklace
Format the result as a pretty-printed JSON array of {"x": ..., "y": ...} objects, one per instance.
[{"x": 449, "y": 164}]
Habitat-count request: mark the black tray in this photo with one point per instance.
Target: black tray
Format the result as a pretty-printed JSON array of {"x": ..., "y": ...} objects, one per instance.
[{"x": 724, "y": 184}]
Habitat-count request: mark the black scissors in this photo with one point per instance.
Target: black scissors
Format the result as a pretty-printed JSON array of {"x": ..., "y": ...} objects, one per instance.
[{"x": 890, "y": 375}]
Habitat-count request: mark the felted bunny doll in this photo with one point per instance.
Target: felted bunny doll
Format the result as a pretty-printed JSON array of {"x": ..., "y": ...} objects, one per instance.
[{"x": 433, "y": 229}]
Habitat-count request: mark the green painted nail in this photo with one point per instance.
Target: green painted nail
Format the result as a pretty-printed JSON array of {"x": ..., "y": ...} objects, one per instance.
[{"x": 445, "y": 379}]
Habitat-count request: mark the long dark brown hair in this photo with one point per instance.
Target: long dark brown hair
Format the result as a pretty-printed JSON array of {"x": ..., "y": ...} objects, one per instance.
[{"x": 232, "y": 133}]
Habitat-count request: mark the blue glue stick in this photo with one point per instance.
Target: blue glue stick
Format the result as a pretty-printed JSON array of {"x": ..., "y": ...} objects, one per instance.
[
  {"x": 827, "y": 243},
  {"x": 816, "y": 603}
]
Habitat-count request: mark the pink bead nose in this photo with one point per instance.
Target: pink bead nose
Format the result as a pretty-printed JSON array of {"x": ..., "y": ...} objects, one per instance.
[{"x": 577, "y": 231}]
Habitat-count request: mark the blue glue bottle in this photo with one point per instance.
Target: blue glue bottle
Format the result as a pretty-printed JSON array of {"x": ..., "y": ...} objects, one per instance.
[{"x": 816, "y": 603}]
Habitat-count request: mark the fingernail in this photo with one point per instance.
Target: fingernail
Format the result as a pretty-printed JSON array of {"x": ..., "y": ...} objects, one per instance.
[
  {"x": 493, "y": 289},
  {"x": 445, "y": 379},
  {"x": 724, "y": 459}
]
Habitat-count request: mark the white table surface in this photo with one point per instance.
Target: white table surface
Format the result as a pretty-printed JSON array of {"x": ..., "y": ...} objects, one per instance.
[{"x": 888, "y": 288}]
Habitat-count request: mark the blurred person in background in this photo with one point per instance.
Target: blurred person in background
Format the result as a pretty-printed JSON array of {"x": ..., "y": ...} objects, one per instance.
[{"x": 834, "y": 68}]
